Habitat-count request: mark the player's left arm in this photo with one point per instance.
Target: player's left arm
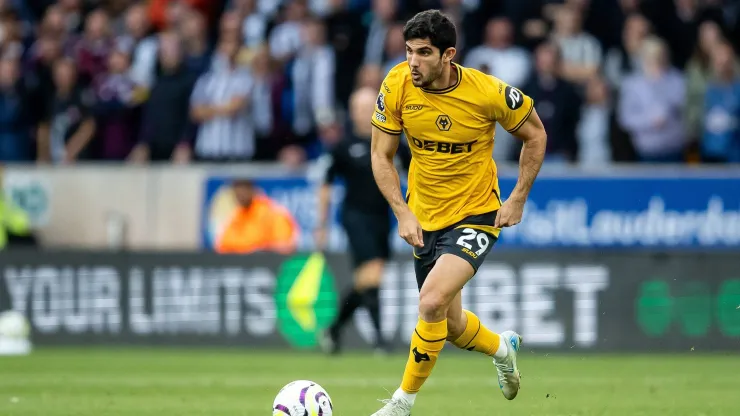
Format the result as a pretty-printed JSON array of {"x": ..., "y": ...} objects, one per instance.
[
  {"x": 532, "y": 134},
  {"x": 515, "y": 112}
]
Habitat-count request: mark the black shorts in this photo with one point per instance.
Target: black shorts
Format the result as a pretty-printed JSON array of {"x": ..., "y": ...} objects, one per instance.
[
  {"x": 368, "y": 235},
  {"x": 469, "y": 243}
]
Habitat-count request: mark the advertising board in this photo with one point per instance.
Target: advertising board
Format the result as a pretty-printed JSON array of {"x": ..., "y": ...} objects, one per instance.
[
  {"x": 561, "y": 302},
  {"x": 633, "y": 212}
]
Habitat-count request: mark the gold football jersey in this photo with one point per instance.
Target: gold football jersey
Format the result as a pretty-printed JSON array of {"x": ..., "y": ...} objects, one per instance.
[{"x": 450, "y": 133}]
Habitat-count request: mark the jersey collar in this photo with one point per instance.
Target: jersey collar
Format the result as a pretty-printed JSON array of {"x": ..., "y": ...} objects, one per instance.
[{"x": 451, "y": 87}]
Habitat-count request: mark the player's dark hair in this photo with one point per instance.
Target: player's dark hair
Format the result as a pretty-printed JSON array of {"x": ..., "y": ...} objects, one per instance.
[{"x": 435, "y": 26}]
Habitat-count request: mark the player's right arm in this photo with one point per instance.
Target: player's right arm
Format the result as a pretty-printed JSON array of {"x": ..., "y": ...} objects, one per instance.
[
  {"x": 387, "y": 127},
  {"x": 383, "y": 150}
]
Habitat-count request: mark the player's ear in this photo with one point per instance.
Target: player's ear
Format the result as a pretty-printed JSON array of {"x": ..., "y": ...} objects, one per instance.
[{"x": 449, "y": 55}]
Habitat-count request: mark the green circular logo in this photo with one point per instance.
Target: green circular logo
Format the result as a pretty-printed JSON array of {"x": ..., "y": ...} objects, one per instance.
[
  {"x": 306, "y": 299},
  {"x": 654, "y": 307},
  {"x": 728, "y": 308}
]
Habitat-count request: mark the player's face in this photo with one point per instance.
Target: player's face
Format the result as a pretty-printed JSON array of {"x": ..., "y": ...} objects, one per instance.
[{"x": 425, "y": 61}]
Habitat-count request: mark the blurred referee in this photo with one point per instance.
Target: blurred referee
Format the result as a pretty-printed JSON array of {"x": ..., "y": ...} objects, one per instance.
[{"x": 366, "y": 218}]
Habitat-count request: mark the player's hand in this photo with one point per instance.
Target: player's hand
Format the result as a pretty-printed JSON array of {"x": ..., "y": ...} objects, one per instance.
[
  {"x": 410, "y": 230},
  {"x": 510, "y": 213}
]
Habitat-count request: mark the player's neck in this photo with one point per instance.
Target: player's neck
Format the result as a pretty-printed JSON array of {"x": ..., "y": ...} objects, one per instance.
[{"x": 446, "y": 80}]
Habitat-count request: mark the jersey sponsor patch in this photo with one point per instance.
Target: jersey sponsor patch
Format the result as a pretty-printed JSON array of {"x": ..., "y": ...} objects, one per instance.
[
  {"x": 380, "y": 103},
  {"x": 514, "y": 98},
  {"x": 380, "y": 117}
]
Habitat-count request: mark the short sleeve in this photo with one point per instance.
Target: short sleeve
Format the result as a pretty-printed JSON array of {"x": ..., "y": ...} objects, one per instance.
[
  {"x": 387, "y": 115},
  {"x": 511, "y": 107},
  {"x": 329, "y": 167}
]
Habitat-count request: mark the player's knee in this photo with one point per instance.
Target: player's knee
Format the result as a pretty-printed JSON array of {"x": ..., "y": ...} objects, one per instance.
[{"x": 432, "y": 306}]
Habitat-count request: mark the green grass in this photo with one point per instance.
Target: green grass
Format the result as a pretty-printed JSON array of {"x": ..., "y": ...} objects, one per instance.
[{"x": 160, "y": 382}]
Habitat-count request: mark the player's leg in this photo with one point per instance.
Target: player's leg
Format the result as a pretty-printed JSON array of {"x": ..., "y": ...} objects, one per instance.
[
  {"x": 378, "y": 248},
  {"x": 369, "y": 250},
  {"x": 465, "y": 330},
  {"x": 369, "y": 277},
  {"x": 443, "y": 283},
  {"x": 353, "y": 298}
]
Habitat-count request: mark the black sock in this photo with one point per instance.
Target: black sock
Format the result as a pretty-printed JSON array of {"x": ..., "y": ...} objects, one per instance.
[
  {"x": 372, "y": 303},
  {"x": 350, "y": 302}
]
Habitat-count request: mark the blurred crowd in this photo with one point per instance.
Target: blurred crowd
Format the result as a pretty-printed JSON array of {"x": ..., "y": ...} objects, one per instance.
[{"x": 240, "y": 80}]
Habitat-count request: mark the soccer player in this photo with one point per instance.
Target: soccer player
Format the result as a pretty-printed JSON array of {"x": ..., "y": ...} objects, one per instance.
[{"x": 452, "y": 214}]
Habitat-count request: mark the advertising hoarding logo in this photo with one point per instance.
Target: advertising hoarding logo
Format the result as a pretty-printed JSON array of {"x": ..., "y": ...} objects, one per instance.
[
  {"x": 689, "y": 306},
  {"x": 306, "y": 299}
]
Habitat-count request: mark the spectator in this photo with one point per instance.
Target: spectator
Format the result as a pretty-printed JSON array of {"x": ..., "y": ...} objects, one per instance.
[
  {"x": 347, "y": 35},
  {"x": 625, "y": 59},
  {"x": 166, "y": 129},
  {"x": 165, "y": 14},
  {"x": 285, "y": 38},
  {"x": 55, "y": 23},
  {"x": 254, "y": 24},
  {"x": 116, "y": 109},
  {"x": 257, "y": 225},
  {"x": 45, "y": 51},
  {"x": 651, "y": 106},
  {"x": 558, "y": 104},
  {"x": 220, "y": 104},
  {"x": 116, "y": 10},
  {"x": 265, "y": 104},
  {"x": 580, "y": 52},
  {"x": 198, "y": 57},
  {"x": 677, "y": 24},
  {"x": 699, "y": 72},
  {"x": 72, "y": 15},
  {"x": 594, "y": 125},
  {"x": 142, "y": 44},
  {"x": 499, "y": 57},
  {"x": 312, "y": 80},
  {"x": 721, "y": 138},
  {"x": 15, "y": 145},
  {"x": 384, "y": 12},
  {"x": 369, "y": 76},
  {"x": 268, "y": 8},
  {"x": 68, "y": 127},
  {"x": 91, "y": 51},
  {"x": 12, "y": 40},
  {"x": 395, "y": 47},
  {"x": 230, "y": 27}
]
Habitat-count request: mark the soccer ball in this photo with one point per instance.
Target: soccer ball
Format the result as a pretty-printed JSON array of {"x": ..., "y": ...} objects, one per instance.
[{"x": 302, "y": 398}]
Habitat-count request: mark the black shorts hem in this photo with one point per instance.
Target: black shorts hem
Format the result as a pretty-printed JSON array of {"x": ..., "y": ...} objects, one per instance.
[{"x": 468, "y": 259}]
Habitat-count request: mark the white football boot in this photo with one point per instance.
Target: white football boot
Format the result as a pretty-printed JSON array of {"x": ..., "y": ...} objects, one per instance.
[
  {"x": 394, "y": 407},
  {"x": 508, "y": 372}
]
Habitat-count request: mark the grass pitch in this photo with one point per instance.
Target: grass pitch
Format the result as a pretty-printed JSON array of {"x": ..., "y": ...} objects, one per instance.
[{"x": 149, "y": 382}]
